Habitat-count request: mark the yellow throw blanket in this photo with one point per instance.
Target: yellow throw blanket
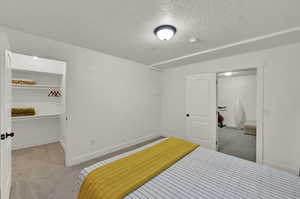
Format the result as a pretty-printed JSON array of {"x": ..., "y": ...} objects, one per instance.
[
  {"x": 16, "y": 112},
  {"x": 118, "y": 178}
]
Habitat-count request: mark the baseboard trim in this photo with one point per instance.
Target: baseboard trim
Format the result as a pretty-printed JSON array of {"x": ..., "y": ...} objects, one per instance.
[
  {"x": 43, "y": 142},
  {"x": 93, "y": 155},
  {"x": 291, "y": 170}
]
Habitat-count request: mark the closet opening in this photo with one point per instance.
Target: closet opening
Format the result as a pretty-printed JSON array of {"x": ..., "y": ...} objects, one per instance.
[
  {"x": 38, "y": 119},
  {"x": 237, "y": 113}
]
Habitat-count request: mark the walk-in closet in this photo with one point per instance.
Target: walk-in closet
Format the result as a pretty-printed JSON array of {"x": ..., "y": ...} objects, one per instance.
[{"x": 38, "y": 100}]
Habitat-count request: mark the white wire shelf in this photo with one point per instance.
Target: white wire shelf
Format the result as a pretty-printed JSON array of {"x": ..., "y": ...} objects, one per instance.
[
  {"x": 33, "y": 117},
  {"x": 25, "y": 86}
]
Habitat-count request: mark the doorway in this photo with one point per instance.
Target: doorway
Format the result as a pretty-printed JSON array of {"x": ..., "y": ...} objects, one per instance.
[{"x": 236, "y": 113}]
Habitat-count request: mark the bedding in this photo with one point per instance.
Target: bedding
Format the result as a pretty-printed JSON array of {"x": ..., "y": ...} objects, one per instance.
[
  {"x": 116, "y": 179},
  {"x": 207, "y": 174}
]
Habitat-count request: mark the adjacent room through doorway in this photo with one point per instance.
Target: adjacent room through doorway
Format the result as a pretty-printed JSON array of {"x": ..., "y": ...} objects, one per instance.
[{"x": 236, "y": 101}]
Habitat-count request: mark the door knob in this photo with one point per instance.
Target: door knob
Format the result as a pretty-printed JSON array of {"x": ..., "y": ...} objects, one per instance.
[
  {"x": 2, "y": 137},
  {"x": 188, "y": 115},
  {"x": 12, "y": 134}
]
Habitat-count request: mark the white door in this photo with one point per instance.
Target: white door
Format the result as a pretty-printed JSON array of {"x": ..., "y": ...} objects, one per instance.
[
  {"x": 5, "y": 118},
  {"x": 201, "y": 109}
]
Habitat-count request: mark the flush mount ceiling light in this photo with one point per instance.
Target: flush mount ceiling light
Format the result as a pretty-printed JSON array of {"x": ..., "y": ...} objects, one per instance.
[{"x": 165, "y": 32}]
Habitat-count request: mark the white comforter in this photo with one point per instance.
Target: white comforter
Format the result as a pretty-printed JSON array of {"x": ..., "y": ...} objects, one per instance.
[{"x": 208, "y": 174}]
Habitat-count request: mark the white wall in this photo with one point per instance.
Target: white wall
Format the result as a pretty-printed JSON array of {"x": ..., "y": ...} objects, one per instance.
[
  {"x": 32, "y": 132},
  {"x": 111, "y": 102},
  {"x": 231, "y": 89},
  {"x": 281, "y": 146}
]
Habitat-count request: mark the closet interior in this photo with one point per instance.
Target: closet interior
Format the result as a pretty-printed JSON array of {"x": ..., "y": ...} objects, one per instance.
[{"x": 38, "y": 100}]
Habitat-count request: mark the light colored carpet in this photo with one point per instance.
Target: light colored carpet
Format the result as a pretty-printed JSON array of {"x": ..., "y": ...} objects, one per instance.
[
  {"x": 235, "y": 142},
  {"x": 39, "y": 172}
]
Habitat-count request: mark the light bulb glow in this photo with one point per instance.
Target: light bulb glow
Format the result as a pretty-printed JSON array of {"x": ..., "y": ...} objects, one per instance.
[
  {"x": 228, "y": 73},
  {"x": 165, "y": 32},
  {"x": 35, "y": 57}
]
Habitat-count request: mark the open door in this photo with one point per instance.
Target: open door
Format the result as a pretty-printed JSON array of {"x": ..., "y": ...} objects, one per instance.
[
  {"x": 5, "y": 117},
  {"x": 201, "y": 109}
]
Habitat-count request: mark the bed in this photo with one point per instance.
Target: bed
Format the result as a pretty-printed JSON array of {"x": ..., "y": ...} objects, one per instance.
[{"x": 207, "y": 174}]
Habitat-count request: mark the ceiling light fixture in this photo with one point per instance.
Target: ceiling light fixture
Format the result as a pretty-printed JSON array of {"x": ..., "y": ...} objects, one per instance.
[
  {"x": 228, "y": 73},
  {"x": 165, "y": 32},
  {"x": 35, "y": 57}
]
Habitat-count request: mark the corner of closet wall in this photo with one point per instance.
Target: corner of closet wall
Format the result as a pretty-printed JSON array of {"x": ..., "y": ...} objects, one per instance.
[{"x": 38, "y": 84}]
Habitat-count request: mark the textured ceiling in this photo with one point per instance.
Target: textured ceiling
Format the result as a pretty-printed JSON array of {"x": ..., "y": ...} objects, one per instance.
[{"x": 125, "y": 28}]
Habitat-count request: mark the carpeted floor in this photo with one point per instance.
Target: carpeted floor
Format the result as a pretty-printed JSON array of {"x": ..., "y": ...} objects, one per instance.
[
  {"x": 235, "y": 142},
  {"x": 39, "y": 172}
]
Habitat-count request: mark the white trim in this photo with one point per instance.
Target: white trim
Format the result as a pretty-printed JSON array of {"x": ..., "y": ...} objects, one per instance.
[
  {"x": 259, "y": 115},
  {"x": 155, "y": 69},
  {"x": 243, "y": 42},
  {"x": 291, "y": 170},
  {"x": 8, "y": 185},
  {"x": 89, "y": 156},
  {"x": 43, "y": 142}
]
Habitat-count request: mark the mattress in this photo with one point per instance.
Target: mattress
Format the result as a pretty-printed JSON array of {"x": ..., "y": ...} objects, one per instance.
[{"x": 207, "y": 174}]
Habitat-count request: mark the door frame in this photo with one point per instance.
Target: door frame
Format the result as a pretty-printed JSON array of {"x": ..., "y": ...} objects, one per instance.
[
  {"x": 259, "y": 106},
  {"x": 5, "y": 99}
]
